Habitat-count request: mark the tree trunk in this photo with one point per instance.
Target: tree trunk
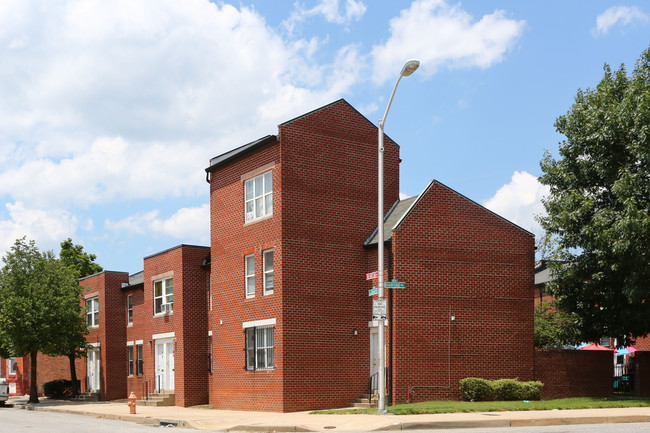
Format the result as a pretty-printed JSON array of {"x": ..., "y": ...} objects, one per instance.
[
  {"x": 33, "y": 387},
  {"x": 73, "y": 374}
]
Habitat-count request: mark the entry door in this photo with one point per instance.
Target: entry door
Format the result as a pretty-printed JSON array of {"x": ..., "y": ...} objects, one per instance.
[
  {"x": 92, "y": 370},
  {"x": 165, "y": 364},
  {"x": 374, "y": 357}
]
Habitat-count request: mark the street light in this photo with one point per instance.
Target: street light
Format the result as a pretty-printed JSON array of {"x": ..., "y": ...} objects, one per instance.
[{"x": 409, "y": 67}]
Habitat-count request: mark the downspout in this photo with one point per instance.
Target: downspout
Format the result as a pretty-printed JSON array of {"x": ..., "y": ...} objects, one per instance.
[{"x": 390, "y": 325}]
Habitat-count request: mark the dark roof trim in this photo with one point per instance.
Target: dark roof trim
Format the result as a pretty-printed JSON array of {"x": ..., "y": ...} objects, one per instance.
[
  {"x": 231, "y": 155},
  {"x": 102, "y": 272},
  {"x": 342, "y": 100},
  {"x": 174, "y": 248},
  {"x": 376, "y": 230},
  {"x": 129, "y": 287},
  {"x": 461, "y": 195}
]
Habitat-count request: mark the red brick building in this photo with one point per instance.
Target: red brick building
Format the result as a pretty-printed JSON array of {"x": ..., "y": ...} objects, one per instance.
[{"x": 275, "y": 314}]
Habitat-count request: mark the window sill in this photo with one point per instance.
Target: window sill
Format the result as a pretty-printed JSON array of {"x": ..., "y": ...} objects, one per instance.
[
  {"x": 267, "y": 293},
  {"x": 130, "y": 325},
  {"x": 171, "y": 313},
  {"x": 256, "y": 220}
]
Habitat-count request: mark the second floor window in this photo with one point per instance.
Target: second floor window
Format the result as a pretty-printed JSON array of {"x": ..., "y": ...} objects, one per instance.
[
  {"x": 258, "y": 196},
  {"x": 92, "y": 312},
  {"x": 129, "y": 309},
  {"x": 163, "y": 296},
  {"x": 268, "y": 272},
  {"x": 249, "y": 262}
]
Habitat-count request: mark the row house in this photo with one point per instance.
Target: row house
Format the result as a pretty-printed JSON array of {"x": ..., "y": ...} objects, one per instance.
[{"x": 276, "y": 315}]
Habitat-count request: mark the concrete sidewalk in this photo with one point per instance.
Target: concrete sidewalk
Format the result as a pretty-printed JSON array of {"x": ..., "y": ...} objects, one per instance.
[{"x": 227, "y": 420}]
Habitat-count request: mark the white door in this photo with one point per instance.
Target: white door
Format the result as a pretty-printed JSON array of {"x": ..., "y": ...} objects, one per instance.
[
  {"x": 92, "y": 369},
  {"x": 374, "y": 357},
  {"x": 165, "y": 364}
]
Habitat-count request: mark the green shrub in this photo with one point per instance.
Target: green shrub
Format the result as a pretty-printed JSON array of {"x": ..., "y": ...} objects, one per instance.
[
  {"x": 508, "y": 390},
  {"x": 476, "y": 389},
  {"x": 58, "y": 388},
  {"x": 532, "y": 390}
]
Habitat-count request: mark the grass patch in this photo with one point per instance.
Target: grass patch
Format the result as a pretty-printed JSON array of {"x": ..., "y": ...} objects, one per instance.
[{"x": 497, "y": 406}]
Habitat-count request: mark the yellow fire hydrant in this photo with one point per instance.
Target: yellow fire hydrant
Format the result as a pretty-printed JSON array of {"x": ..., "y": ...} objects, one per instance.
[{"x": 131, "y": 403}]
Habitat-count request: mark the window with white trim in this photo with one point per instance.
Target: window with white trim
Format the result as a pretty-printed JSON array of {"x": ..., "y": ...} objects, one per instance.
[
  {"x": 129, "y": 309},
  {"x": 268, "y": 272},
  {"x": 260, "y": 348},
  {"x": 249, "y": 264},
  {"x": 163, "y": 296},
  {"x": 12, "y": 365},
  {"x": 139, "y": 360},
  {"x": 92, "y": 312},
  {"x": 129, "y": 350},
  {"x": 258, "y": 196}
]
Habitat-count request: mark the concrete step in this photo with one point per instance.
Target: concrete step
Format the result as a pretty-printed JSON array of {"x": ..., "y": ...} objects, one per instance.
[
  {"x": 87, "y": 396},
  {"x": 159, "y": 399}
]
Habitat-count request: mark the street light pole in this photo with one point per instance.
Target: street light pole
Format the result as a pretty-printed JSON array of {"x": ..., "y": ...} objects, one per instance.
[{"x": 409, "y": 67}]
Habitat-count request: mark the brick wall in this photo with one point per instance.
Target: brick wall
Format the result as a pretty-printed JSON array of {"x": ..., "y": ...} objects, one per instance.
[
  {"x": 111, "y": 332},
  {"x": 51, "y": 368},
  {"x": 459, "y": 259},
  {"x": 135, "y": 332},
  {"x": 329, "y": 209},
  {"x": 574, "y": 373}
]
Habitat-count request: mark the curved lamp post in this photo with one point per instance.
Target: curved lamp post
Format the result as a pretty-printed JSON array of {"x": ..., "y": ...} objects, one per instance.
[{"x": 409, "y": 67}]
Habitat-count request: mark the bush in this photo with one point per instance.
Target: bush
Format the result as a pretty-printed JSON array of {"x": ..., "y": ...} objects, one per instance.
[
  {"x": 476, "y": 389},
  {"x": 58, "y": 388}
]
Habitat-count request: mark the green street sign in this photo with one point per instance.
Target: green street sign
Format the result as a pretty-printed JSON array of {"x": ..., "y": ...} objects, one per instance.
[
  {"x": 373, "y": 291},
  {"x": 394, "y": 284}
]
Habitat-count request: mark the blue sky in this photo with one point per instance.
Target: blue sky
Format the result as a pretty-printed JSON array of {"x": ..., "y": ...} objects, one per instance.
[{"x": 111, "y": 110}]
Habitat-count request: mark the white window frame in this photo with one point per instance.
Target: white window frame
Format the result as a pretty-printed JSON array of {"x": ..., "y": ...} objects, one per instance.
[
  {"x": 139, "y": 358},
  {"x": 129, "y": 309},
  {"x": 11, "y": 366},
  {"x": 259, "y": 348},
  {"x": 267, "y": 271},
  {"x": 92, "y": 312},
  {"x": 130, "y": 357},
  {"x": 166, "y": 296},
  {"x": 249, "y": 278},
  {"x": 258, "y": 197}
]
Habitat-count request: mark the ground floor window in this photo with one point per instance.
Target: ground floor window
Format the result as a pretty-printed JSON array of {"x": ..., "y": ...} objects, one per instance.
[
  {"x": 260, "y": 348},
  {"x": 129, "y": 350},
  {"x": 139, "y": 362}
]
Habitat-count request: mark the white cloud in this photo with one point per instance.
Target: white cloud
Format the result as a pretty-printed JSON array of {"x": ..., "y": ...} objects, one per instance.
[
  {"x": 189, "y": 224},
  {"x": 440, "y": 34},
  {"x": 618, "y": 15},
  {"x": 353, "y": 10},
  {"x": 47, "y": 227},
  {"x": 98, "y": 94},
  {"x": 520, "y": 201}
]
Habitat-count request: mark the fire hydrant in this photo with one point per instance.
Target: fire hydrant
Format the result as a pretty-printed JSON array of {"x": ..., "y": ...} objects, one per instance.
[{"x": 131, "y": 403}]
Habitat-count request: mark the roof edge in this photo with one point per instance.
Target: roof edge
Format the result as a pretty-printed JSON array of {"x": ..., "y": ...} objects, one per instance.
[{"x": 240, "y": 151}]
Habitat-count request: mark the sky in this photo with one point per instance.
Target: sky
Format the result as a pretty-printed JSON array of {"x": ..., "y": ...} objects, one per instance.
[{"x": 110, "y": 110}]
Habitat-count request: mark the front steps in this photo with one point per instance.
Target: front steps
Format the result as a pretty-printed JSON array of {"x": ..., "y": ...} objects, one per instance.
[
  {"x": 163, "y": 398},
  {"x": 366, "y": 400},
  {"x": 87, "y": 396}
]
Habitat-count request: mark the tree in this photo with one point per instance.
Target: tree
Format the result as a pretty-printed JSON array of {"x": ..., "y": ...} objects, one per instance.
[
  {"x": 554, "y": 329},
  {"x": 34, "y": 299},
  {"x": 72, "y": 342},
  {"x": 598, "y": 209}
]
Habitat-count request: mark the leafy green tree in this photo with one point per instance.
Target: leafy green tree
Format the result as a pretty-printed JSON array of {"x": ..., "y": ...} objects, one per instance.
[
  {"x": 72, "y": 342},
  {"x": 598, "y": 209},
  {"x": 74, "y": 256},
  {"x": 554, "y": 329},
  {"x": 34, "y": 303}
]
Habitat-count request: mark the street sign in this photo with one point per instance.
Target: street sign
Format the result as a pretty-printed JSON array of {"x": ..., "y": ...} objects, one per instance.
[
  {"x": 372, "y": 275},
  {"x": 373, "y": 291},
  {"x": 379, "y": 308},
  {"x": 394, "y": 284}
]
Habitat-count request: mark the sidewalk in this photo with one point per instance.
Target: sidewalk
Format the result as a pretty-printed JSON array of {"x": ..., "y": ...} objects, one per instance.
[{"x": 228, "y": 420}]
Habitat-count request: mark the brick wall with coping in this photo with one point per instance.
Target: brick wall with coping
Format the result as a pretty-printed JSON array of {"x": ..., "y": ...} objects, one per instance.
[{"x": 459, "y": 259}]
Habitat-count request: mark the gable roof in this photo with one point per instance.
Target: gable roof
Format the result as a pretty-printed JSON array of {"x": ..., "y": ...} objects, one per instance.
[{"x": 402, "y": 208}]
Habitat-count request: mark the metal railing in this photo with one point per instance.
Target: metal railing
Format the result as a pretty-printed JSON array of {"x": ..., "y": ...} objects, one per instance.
[{"x": 373, "y": 382}]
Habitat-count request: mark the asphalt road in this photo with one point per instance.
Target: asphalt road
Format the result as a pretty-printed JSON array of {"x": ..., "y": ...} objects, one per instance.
[{"x": 23, "y": 421}]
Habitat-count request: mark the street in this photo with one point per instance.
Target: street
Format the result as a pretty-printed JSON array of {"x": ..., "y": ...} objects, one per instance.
[{"x": 21, "y": 421}]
